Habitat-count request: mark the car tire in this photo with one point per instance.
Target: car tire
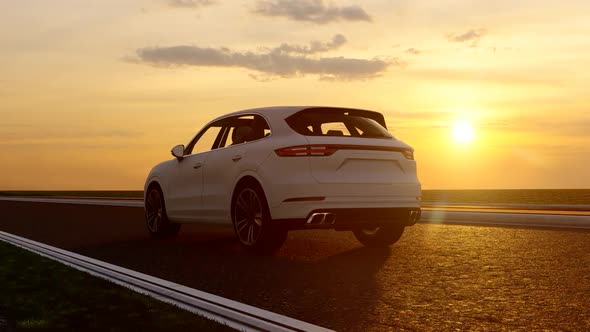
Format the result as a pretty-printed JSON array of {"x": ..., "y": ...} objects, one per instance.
[
  {"x": 252, "y": 223},
  {"x": 381, "y": 236},
  {"x": 156, "y": 219}
]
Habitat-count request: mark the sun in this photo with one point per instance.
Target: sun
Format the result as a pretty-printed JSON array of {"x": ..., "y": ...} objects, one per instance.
[{"x": 463, "y": 132}]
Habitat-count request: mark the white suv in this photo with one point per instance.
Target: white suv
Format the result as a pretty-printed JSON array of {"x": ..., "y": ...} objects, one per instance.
[{"x": 271, "y": 170}]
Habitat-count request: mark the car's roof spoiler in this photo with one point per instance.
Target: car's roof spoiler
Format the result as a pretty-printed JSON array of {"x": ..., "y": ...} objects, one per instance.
[{"x": 350, "y": 111}]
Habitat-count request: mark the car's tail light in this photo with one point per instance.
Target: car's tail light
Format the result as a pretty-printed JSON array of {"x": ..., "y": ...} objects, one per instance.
[
  {"x": 408, "y": 154},
  {"x": 306, "y": 150},
  {"x": 323, "y": 150}
]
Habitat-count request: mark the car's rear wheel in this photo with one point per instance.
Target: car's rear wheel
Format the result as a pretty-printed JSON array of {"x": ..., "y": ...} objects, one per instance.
[
  {"x": 156, "y": 219},
  {"x": 252, "y": 222},
  {"x": 380, "y": 236}
]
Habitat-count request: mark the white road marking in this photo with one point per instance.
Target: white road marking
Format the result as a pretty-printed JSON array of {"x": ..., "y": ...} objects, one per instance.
[{"x": 234, "y": 314}]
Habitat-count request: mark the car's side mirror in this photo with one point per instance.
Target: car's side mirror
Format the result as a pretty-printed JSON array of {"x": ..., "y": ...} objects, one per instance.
[{"x": 178, "y": 151}]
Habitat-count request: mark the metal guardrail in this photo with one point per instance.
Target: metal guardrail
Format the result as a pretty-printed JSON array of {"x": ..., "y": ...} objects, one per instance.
[
  {"x": 553, "y": 207},
  {"x": 80, "y": 201},
  {"x": 231, "y": 313},
  {"x": 506, "y": 219}
]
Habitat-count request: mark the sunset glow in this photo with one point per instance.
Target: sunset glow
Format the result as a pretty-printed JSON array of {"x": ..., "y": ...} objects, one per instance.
[
  {"x": 463, "y": 132},
  {"x": 92, "y": 94}
]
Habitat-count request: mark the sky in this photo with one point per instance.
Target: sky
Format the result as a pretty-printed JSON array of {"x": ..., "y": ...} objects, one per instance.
[{"x": 94, "y": 93}]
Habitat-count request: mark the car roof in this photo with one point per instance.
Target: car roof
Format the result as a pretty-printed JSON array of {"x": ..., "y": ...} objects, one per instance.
[
  {"x": 271, "y": 110},
  {"x": 286, "y": 110},
  {"x": 275, "y": 114}
]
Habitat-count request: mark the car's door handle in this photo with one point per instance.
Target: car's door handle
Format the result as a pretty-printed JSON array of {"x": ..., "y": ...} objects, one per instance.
[
  {"x": 236, "y": 157},
  {"x": 196, "y": 166}
]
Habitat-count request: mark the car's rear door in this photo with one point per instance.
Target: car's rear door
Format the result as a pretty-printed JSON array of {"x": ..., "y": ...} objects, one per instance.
[
  {"x": 235, "y": 155},
  {"x": 369, "y": 161},
  {"x": 356, "y": 153}
]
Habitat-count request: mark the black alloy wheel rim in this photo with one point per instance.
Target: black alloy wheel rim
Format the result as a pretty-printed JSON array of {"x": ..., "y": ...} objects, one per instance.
[
  {"x": 154, "y": 211},
  {"x": 248, "y": 216}
]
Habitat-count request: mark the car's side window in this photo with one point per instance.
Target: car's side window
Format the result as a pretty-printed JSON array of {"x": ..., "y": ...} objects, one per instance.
[
  {"x": 207, "y": 140},
  {"x": 245, "y": 128}
]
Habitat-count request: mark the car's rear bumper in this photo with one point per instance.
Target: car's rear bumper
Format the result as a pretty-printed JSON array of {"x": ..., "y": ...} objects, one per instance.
[
  {"x": 302, "y": 209},
  {"x": 353, "y": 218}
]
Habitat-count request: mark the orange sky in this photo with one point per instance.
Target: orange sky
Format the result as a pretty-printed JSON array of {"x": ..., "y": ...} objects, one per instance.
[{"x": 94, "y": 93}]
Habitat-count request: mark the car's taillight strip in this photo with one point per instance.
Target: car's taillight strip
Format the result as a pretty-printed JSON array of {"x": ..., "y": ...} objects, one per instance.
[{"x": 329, "y": 149}]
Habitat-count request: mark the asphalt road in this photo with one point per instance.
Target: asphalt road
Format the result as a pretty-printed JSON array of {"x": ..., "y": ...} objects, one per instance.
[{"x": 437, "y": 277}]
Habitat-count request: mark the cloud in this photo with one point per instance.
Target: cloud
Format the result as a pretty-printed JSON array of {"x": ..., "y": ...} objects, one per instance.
[
  {"x": 471, "y": 37},
  {"x": 24, "y": 134},
  {"x": 413, "y": 51},
  {"x": 561, "y": 126},
  {"x": 314, "y": 11},
  {"x": 314, "y": 46},
  {"x": 190, "y": 3},
  {"x": 284, "y": 61},
  {"x": 421, "y": 115},
  {"x": 487, "y": 76},
  {"x": 29, "y": 131}
]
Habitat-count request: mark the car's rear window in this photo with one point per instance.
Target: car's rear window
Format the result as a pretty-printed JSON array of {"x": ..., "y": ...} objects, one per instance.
[{"x": 338, "y": 122}]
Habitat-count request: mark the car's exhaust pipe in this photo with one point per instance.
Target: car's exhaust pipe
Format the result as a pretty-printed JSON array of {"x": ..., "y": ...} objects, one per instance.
[
  {"x": 414, "y": 217},
  {"x": 321, "y": 218}
]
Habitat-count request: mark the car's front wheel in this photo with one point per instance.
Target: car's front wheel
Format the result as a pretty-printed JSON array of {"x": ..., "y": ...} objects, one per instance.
[
  {"x": 156, "y": 219},
  {"x": 252, "y": 222},
  {"x": 380, "y": 236}
]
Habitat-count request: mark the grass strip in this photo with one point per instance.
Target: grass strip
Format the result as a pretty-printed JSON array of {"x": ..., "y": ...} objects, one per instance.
[{"x": 38, "y": 294}]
